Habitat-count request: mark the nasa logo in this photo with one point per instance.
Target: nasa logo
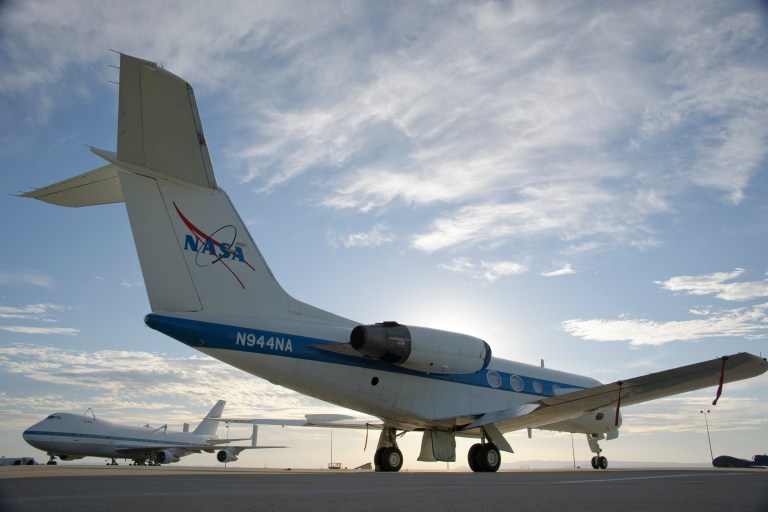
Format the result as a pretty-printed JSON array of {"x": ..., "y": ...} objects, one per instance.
[
  {"x": 212, "y": 249},
  {"x": 208, "y": 246}
]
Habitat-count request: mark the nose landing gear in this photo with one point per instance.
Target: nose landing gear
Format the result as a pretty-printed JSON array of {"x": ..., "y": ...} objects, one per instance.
[{"x": 598, "y": 461}]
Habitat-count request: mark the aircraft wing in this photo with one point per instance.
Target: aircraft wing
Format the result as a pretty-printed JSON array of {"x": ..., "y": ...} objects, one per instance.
[
  {"x": 627, "y": 392},
  {"x": 185, "y": 449},
  {"x": 213, "y": 443},
  {"x": 314, "y": 420},
  {"x": 152, "y": 450}
]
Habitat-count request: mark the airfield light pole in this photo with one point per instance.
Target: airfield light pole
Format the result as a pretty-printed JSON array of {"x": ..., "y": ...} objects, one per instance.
[{"x": 705, "y": 412}]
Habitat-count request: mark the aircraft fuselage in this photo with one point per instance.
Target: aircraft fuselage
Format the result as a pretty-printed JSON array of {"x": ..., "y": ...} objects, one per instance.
[{"x": 289, "y": 354}]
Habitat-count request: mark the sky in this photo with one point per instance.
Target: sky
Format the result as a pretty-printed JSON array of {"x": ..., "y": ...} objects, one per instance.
[{"x": 577, "y": 182}]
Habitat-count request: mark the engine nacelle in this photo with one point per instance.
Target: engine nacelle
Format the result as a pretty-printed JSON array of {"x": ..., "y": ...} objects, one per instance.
[
  {"x": 166, "y": 457},
  {"x": 226, "y": 456},
  {"x": 421, "y": 349}
]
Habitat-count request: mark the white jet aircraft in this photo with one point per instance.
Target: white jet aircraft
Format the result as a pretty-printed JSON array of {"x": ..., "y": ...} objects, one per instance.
[
  {"x": 74, "y": 436},
  {"x": 210, "y": 288}
]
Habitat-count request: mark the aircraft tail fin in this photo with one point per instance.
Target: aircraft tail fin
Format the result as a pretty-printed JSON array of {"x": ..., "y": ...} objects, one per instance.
[
  {"x": 195, "y": 252},
  {"x": 210, "y": 423},
  {"x": 158, "y": 124}
]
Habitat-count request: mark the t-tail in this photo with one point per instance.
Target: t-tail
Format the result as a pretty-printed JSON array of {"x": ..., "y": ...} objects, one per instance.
[{"x": 195, "y": 252}]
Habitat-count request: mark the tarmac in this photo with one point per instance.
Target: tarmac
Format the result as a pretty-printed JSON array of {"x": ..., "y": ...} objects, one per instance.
[{"x": 171, "y": 489}]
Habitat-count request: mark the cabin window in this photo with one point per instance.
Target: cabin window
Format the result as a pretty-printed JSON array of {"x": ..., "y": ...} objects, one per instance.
[
  {"x": 516, "y": 382},
  {"x": 494, "y": 379}
]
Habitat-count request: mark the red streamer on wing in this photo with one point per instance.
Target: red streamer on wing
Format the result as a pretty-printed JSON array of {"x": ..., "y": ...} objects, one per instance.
[{"x": 722, "y": 378}]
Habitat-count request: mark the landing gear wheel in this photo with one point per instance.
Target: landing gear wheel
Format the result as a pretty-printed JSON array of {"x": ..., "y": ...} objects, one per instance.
[
  {"x": 472, "y": 457},
  {"x": 391, "y": 459},
  {"x": 488, "y": 458},
  {"x": 377, "y": 457},
  {"x": 594, "y": 463},
  {"x": 602, "y": 462}
]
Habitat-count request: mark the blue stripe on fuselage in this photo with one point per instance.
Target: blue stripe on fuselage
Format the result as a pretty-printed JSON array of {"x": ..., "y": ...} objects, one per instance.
[
  {"x": 209, "y": 335},
  {"x": 106, "y": 437}
]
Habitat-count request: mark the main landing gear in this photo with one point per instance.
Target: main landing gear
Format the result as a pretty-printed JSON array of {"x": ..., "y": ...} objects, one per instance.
[
  {"x": 484, "y": 458},
  {"x": 52, "y": 460},
  {"x": 388, "y": 456}
]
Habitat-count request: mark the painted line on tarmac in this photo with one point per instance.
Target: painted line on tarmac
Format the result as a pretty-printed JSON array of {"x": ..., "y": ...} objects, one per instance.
[{"x": 657, "y": 477}]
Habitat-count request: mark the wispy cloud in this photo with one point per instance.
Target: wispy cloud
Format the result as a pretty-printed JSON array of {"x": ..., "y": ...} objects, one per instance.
[
  {"x": 123, "y": 377},
  {"x": 67, "y": 331},
  {"x": 682, "y": 414},
  {"x": 487, "y": 271},
  {"x": 30, "y": 310},
  {"x": 375, "y": 237},
  {"x": 502, "y": 143},
  {"x": 35, "y": 313},
  {"x": 26, "y": 277},
  {"x": 565, "y": 270},
  {"x": 748, "y": 322},
  {"x": 496, "y": 122},
  {"x": 718, "y": 284},
  {"x": 707, "y": 321}
]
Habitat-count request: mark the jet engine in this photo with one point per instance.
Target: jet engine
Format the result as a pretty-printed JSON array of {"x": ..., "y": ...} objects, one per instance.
[
  {"x": 166, "y": 457},
  {"x": 421, "y": 349},
  {"x": 226, "y": 456}
]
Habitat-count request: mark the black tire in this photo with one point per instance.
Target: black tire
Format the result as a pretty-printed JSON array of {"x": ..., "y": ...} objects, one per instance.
[
  {"x": 377, "y": 456},
  {"x": 472, "y": 457},
  {"x": 391, "y": 459},
  {"x": 488, "y": 458},
  {"x": 594, "y": 463},
  {"x": 602, "y": 462}
]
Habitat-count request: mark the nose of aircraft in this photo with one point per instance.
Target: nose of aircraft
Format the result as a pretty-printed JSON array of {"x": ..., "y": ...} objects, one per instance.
[{"x": 28, "y": 435}]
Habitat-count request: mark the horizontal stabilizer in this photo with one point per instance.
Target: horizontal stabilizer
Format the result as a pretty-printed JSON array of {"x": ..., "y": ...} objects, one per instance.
[{"x": 100, "y": 186}]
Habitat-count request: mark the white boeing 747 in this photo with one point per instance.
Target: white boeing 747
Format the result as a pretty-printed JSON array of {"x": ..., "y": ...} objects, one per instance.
[
  {"x": 74, "y": 436},
  {"x": 210, "y": 288}
]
